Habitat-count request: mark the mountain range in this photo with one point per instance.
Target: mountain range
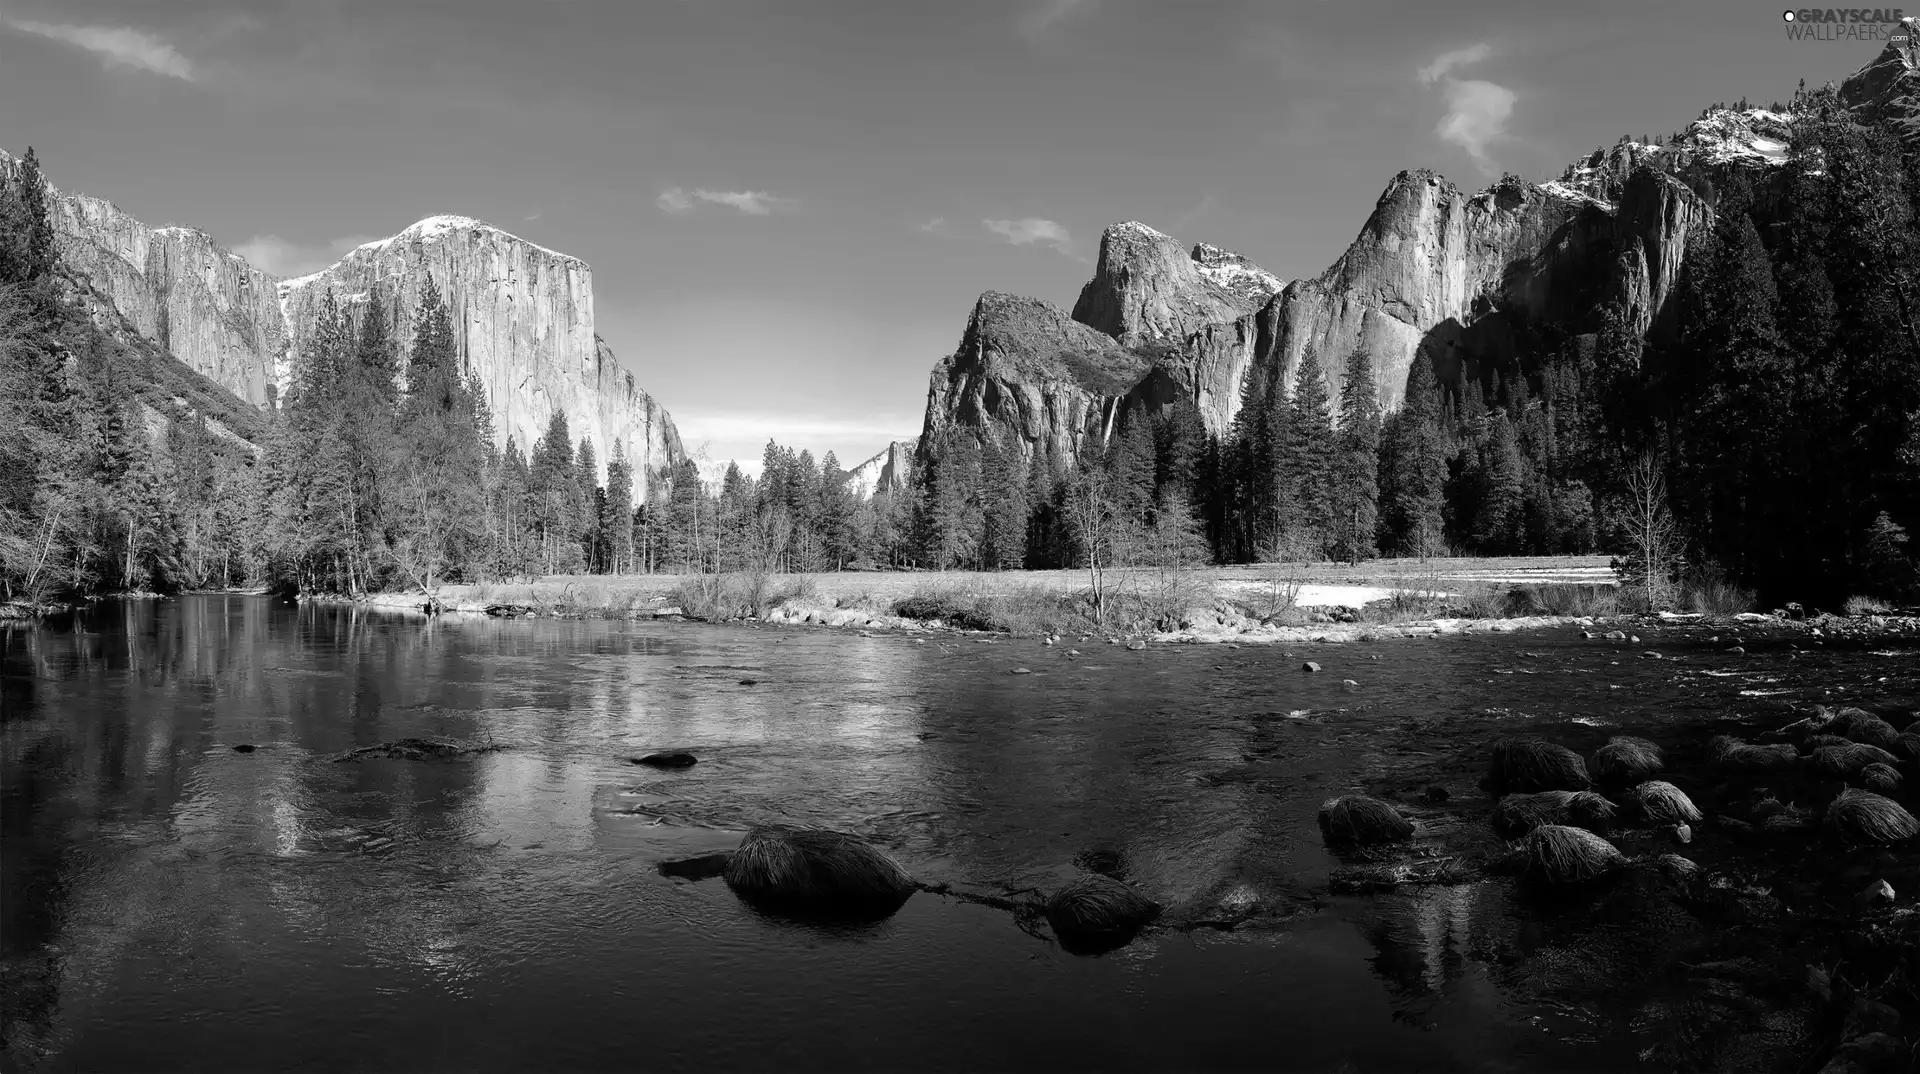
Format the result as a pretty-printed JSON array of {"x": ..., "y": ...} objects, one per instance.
[{"x": 1463, "y": 280}]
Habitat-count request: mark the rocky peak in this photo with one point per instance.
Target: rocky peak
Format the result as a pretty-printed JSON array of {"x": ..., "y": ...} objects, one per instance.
[
  {"x": 1146, "y": 288},
  {"x": 1890, "y": 86},
  {"x": 1250, "y": 285},
  {"x": 888, "y": 471}
]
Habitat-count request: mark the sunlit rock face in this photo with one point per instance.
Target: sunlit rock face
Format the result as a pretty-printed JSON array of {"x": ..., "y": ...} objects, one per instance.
[
  {"x": 523, "y": 323},
  {"x": 522, "y": 315},
  {"x": 888, "y": 471}
]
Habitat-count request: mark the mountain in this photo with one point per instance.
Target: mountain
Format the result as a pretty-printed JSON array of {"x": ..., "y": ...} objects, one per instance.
[
  {"x": 1467, "y": 280},
  {"x": 888, "y": 471},
  {"x": 522, "y": 315}
]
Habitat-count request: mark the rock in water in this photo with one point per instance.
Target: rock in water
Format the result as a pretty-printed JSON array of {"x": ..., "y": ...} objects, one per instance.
[
  {"x": 816, "y": 871},
  {"x": 673, "y": 759},
  {"x": 1518, "y": 814},
  {"x": 1097, "y": 912},
  {"x": 1310, "y": 666},
  {"x": 1354, "y": 820},
  {"x": 1664, "y": 803}
]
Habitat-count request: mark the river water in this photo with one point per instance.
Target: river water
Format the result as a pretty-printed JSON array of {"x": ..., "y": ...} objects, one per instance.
[{"x": 172, "y": 903}]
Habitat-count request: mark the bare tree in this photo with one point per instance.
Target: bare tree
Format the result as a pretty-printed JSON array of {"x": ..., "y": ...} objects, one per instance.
[
  {"x": 1652, "y": 533},
  {"x": 1098, "y": 528}
]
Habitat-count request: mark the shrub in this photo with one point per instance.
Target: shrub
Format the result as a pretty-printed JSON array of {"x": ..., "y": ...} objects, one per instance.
[
  {"x": 1664, "y": 803},
  {"x": 1710, "y": 592},
  {"x": 1528, "y": 763},
  {"x": 1565, "y": 599},
  {"x": 1357, "y": 820},
  {"x": 1558, "y": 854},
  {"x": 1626, "y": 759},
  {"x": 810, "y": 868},
  {"x": 1865, "y": 818},
  {"x": 1858, "y": 605}
]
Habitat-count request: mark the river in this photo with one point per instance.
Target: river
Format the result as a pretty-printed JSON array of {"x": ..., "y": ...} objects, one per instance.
[{"x": 173, "y": 903}]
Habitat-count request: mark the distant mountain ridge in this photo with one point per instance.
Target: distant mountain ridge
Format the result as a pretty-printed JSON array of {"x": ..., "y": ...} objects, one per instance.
[
  {"x": 1439, "y": 273},
  {"x": 522, "y": 314}
]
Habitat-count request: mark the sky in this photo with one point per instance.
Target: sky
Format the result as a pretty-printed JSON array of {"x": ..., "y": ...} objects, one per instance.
[{"x": 791, "y": 205}]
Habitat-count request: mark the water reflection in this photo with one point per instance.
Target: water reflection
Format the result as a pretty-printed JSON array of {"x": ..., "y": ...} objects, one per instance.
[{"x": 153, "y": 878}]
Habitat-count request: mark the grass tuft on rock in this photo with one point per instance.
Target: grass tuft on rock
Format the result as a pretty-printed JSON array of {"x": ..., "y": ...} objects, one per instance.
[
  {"x": 1518, "y": 814},
  {"x": 1676, "y": 868},
  {"x": 1664, "y": 803},
  {"x": 818, "y": 870},
  {"x": 1354, "y": 820},
  {"x": 1626, "y": 759},
  {"x": 1880, "y": 778},
  {"x": 1860, "y": 725},
  {"x": 1864, "y": 818},
  {"x": 1558, "y": 854},
  {"x": 1907, "y": 745},
  {"x": 1849, "y": 759},
  {"x": 1528, "y": 763},
  {"x": 1734, "y": 756},
  {"x": 1095, "y": 911}
]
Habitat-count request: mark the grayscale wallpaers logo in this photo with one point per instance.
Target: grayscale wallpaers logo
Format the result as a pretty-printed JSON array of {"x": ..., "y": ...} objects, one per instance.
[{"x": 1854, "y": 24}]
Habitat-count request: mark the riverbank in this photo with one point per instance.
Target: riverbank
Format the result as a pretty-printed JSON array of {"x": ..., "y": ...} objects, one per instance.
[{"x": 1259, "y": 604}]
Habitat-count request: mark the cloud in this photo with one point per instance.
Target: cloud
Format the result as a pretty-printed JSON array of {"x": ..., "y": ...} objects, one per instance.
[
  {"x": 938, "y": 223},
  {"x": 1030, "y": 230},
  {"x": 1046, "y": 15},
  {"x": 116, "y": 46},
  {"x": 1459, "y": 57},
  {"x": 279, "y": 257},
  {"x": 1477, "y": 114},
  {"x": 1477, "y": 110},
  {"x": 753, "y": 203}
]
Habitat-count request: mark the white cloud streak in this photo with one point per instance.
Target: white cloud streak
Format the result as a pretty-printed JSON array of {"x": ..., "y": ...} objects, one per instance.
[
  {"x": 751, "y": 202},
  {"x": 115, "y": 46},
  {"x": 1459, "y": 57},
  {"x": 1047, "y": 15},
  {"x": 1477, "y": 110},
  {"x": 1031, "y": 230},
  {"x": 275, "y": 255}
]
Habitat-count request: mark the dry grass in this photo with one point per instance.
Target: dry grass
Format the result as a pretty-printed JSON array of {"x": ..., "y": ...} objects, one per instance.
[
  {"x": 1880, "y": 778},
  {"x": 1868, "y": 819},
  {"x": 1867, "y": 606},
  {"x": 1849, "y": 759},
  {"x": 1558, "y": 854},
  {"x": 1518, "y": 814},
  {"x": 1732, "y": 755},
  {"x": 1626, "y": 759},
  {"x": 1357, "y": 820},
  {"x": 1527, "y": 763},
  {"x": 816, "y": 869},
  {"x": 1094, "y": 907},
  {"x": 1664, "y": 803},
  {"x": 1860, "y": 725}
]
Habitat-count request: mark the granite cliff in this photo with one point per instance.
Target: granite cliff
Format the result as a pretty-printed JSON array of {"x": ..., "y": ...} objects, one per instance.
[
  {"x": 1465, "y": 280},
  {"x": 523, "y": 315},
  {"x": 888, "y": 471}
]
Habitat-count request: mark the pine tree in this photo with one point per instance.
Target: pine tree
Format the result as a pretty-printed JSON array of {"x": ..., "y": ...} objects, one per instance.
[
  {"x": 1130, "y": 464},
  {"x": 1499, "y": 525},
  {"x": 1005, "y": 510},
  {"x": 1309, "y": 457},
  {"x": 1355, "y": 490},
  {"x": 616, "y": 521}
]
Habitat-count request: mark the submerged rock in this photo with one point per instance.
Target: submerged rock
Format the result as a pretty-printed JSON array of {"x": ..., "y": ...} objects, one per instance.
[{"x": 672, "y": 759}]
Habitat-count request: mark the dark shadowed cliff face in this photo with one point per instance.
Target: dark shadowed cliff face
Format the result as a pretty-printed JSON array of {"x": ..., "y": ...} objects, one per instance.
[
  {"x": 1025, "y": 367},
  {"x": 522, "y": 315}
]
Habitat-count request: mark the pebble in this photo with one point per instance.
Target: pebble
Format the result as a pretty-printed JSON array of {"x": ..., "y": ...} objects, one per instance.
[
  {"x": 1634, "y": 638},
  {"x": 1136, "y": 645},
  {"x": 1738, "y": 649},
  {"x": 749, "y": 682},
  {"x": 1682, "y": 834},
  {"x": 1349, "y": 684},
  {"x": 1877, "y": 892},
  {"x": 1073, "y": 652},
  {"x": 1651, "y": 655},
  {"x": 1021, "y": 671},
  {"x": 1048, "y": 641},
  {"x": 1310, "y": 666}
]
